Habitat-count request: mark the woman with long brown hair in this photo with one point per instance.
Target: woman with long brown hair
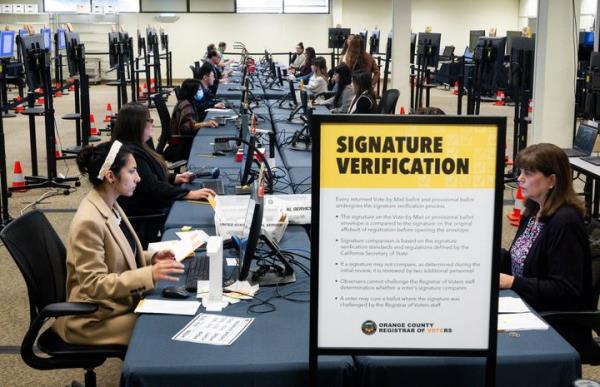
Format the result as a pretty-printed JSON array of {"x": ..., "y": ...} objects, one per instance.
[
  {"x": 356, "y": 58},
  {"x": 158, "y": 188},
  {"x": 549, "y": 263}
]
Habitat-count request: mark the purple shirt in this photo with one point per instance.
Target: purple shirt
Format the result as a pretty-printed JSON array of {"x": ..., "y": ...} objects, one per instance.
[{"x": 522, "y": 245}]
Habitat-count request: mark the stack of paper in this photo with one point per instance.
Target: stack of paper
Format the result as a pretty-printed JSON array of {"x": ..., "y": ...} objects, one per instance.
[
  {"x": 183, "y": 248},
  {"x": 240, "y": 290},
  {"x": 188, "y": 308},
  {"x": 514, "y": 315}
]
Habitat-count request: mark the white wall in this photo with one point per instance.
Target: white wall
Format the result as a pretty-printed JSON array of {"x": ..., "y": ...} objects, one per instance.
[{"x": 189, "y": 36}]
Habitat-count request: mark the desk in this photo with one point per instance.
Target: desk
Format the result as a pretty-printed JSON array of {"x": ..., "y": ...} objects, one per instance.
[
  {"x": 301, "y": 179},
  {"x": 272, "y": 352},
  {"x": 592, "y": 183},
  {"x": 535, "y": 358}
]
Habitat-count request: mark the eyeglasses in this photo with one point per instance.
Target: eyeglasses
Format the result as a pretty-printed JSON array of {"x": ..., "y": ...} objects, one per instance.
[{"x": 150, "y": 120}]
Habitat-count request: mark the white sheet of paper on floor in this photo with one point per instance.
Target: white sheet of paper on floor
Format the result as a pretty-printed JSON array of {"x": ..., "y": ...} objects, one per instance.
[{"x": 213, "y": 329}]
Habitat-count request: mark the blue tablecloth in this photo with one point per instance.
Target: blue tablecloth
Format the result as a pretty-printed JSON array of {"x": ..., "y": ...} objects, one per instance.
[
  {"x": 301, "y": 179},
  {"x": 272, "y": 352}
]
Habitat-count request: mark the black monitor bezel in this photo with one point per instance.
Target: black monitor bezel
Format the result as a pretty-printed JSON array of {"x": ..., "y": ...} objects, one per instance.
[{"x": 247, "y": 251}]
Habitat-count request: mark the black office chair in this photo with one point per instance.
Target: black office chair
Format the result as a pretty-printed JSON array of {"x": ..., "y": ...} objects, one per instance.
[
  {"x": 387, "y": 105},
  {"x": 590, "y": 320},
  {"x": 165, "y": 133},
  {"x": 41, "y": 257}
]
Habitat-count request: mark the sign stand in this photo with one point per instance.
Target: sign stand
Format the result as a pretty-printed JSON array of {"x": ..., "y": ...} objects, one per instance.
[{"x": 406, "y": 218}]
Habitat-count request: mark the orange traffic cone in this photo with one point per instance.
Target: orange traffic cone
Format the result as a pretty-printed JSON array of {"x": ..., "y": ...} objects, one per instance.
[
  {"x": 402, "y": 111},
  {"x": 144, "y": 89},
  {"x": 109, "y": 113},
  {"x": 455, "y": 89},
  {"x": 72, "y": 88},
  {"x": 93, "y": 130},
  {"x": 40, "y": 101},
  {"x": 57, "y": 150},
  {"x": 499, "y": 97},
  {"x": 519, "y": 207},
  {"x": 18, "y": 178},
  {"x": 19, "y": 109},
  {"x": 530, "y": 108},
  {"x": 18, "y": 99},
  {"x": 152, "y": 86},
  {"x": 57, "y": 92}
]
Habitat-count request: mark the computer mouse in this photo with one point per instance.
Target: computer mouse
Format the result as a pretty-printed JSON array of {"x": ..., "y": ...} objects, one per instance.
[{"x": 178, "y": 292}]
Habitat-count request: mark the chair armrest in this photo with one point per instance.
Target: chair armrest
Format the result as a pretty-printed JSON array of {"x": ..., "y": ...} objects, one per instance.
[
  {"x": 177, "y": 165},
  {"x": 68, "y": 309},
  {"x": 588, "y": 319},
  {"x": 147, "y": 217}
]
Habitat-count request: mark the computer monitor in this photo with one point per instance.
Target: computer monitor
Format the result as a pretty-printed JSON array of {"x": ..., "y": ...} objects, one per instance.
[
  {"x": 265, "y": 274},
  {"x": 164, "y": 40},
  {"x": 337, "y": 37},
  {"x": 474, "y": 36},
  {"x": 33, "y": 70},
  {"x": 279, "y": 76},
  {"x": 413, "y": 45},
  {"x": 23, "y": 33},
  {"x": 522, "y": 56},
  {"x": 363, "y": 38},
  {"x": 7, "y": 44},
  {"x": 429, "y": 48},
  {"x": 72, "y": 41},
  {"x": 141, "y": 42},
  {"x": 46, "y": 33},
  {"x": 586, "y": 46},
  {"x": 60, "y": 35},
  {"x": 113, "y": 49},
  {"x": 304, "y": 101},
  {"x": 151, "y": 38},
  {"x": 247, "y": 160},
  {"x": 124, "y": 40},
  {"x": 490, "y": 50},
  {"x": 510, "y": 36},
  {"x": 293, "y": 93},
  {"x": 374, "y": 42}
]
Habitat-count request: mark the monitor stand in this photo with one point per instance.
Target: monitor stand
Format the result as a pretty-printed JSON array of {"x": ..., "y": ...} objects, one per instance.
[{"x": 274, "y": 274}]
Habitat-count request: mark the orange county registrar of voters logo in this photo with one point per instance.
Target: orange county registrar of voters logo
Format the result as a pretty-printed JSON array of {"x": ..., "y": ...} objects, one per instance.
[{"x": 369, "y": 327}]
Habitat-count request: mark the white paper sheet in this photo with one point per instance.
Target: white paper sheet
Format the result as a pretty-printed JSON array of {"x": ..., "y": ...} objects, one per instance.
[
  {"x": 187, "y": 308},
  {"x": 511, "y": 305},
  {"x": 520, "y": 322},
  {"x": 213, "y": 329}
]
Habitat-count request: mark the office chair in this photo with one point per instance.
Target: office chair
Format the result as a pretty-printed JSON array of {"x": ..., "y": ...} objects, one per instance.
[
  {"x": 165, "y": 133},
  {"x": 387, "y": 105},
  {"x": 147, "y": 226},
  {"x": 584, "y": 319},
  {"x": 41, "y": 257}
]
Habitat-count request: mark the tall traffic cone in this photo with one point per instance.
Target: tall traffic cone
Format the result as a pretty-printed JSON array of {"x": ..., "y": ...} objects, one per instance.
[
  {"x": 40, "y": 101},
  {"x": 499, "y": 97},
  {"x": 18, "y": 178},
  {"x": 519, "y": 207},
  {"x": 18, "y": 98},
  {"x": 57, "y": 150},
  {"x": 72, "y": 88},
  {"x": 152, "y": 85},
  {"x": 144, "y": 89},
  {"x": 455, "y": 89},
  {"x": 93, "y": 130},
  {"x": 402, "y": 111},
  {"x": 57, "y": 90},
  {"x": 109, "y": 113},
  {"x": 19, "y": 109},
  {"x": 530, "y": 107}
]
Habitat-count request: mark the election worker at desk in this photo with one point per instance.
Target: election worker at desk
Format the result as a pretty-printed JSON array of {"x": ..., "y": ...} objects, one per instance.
[
  {"x": 549, "y": 263},
  {"x": 105, "y": 261}
]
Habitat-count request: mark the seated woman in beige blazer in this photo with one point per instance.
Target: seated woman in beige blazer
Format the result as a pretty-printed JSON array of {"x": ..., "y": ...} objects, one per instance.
[{"x": 105, "y": 261}]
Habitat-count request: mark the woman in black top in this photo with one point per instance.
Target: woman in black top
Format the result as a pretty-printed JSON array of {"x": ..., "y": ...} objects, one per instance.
[
  {"x": 364, "y": 100},
  {"x": 549, "y": 262},
  {"x": 158, "y": 188}
]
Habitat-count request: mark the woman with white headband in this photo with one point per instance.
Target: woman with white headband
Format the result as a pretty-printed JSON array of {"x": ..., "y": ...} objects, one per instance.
[{"x": 105, "y": 261}]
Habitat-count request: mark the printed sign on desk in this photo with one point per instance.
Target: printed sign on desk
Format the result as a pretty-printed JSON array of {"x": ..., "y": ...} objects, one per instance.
[{"x": 407, "y": 216}]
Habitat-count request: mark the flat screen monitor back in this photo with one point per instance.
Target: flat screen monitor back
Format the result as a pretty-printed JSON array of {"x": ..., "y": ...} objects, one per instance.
[
  {"x": 474, "y": 36},
  {"x": 522, "y": 56},
  {"x": 586, "y": 46},
  {"x": 7, "y": 44},
  {"x": 510, "y": 36},
  {"x": 491, "y": 74},
  {"x": 32, "y": 70},
  {"x": 248, "y": 246},
  {"x": 72, "y": 41},
  {"x": 60, "y": 35},
  {"x": 337, "y": 37},
  {"x": 113, "y": 48},
  {"x": 432, "y": 40},
  {"x": 374, "y": 42}
]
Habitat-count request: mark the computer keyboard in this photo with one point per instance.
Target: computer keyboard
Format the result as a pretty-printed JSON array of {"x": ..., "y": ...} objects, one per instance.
[
  {"x": 595, "y": 160},
  {"x": 196, "y": 271},
  {"x": 215, "y": 185}
]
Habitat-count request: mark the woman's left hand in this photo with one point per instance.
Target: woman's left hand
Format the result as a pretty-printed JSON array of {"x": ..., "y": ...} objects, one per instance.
[
  {"x": 185, "y": 177},
  {"x": 163, "y": 255},
  {"x": 506, "y": 281}
]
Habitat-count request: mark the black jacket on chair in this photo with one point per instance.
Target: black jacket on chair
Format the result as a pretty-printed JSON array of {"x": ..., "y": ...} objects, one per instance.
[
  {"x": 155, "y": 192},
  {"x": 557, "y": 270}
]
